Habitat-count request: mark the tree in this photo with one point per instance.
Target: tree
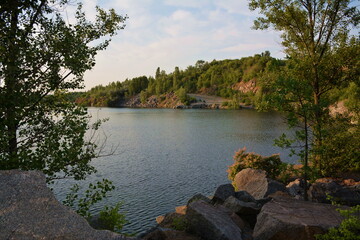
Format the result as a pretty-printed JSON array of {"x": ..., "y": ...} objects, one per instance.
[
  {"x": 41, "y": 57},
  {"x": 316, "y": 38}
]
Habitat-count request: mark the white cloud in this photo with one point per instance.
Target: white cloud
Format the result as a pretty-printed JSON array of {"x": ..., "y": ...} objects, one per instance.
[
  {"x": 235, "y": 7},
  {"x": 188, "y": 3},
  {"x": 173, "y": 33}
]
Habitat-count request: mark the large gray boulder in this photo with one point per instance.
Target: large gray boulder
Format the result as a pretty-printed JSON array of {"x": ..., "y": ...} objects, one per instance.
[
  {"x": 291, "y": 219},
  {"x": 223, "y": 192},
  {"x": 198, "y": 197},
  {"x": 256, "y": 183},
  {"x": 242, "y": 208},
  {"x": 29, "y": 210},
  {"x": 296, "y": 188},
  {"x": 323, "y": 188},
  {"x": 246, "y": 210},
  {"x": 211, "y": 223},
  {"x": 244, "y": 196}
]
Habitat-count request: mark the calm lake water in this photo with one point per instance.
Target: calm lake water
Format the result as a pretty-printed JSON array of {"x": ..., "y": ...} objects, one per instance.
[{"x": 166, "y": 156}]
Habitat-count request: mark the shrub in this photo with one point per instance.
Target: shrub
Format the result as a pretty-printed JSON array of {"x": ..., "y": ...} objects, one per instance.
[
  {"x": 349, "y": 228},
  {"x": 112, "y": 218},
  {"x": 271, "y": 164}
]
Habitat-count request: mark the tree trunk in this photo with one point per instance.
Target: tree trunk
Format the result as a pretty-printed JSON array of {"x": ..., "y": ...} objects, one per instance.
[{"x": 11, "y": 76}]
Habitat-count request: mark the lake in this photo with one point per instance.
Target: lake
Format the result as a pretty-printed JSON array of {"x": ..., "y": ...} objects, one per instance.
[{"x": 166, "y": 156}]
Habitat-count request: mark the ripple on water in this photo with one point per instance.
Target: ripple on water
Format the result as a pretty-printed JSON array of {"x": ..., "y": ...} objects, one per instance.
[{"x": 166, "y": 156}]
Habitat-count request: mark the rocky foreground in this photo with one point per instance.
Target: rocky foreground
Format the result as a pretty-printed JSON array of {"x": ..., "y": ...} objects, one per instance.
[{"x": 260, "y": 209}]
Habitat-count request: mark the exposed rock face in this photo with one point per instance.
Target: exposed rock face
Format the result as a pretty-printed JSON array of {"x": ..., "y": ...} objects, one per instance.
[
  {"x": 290, "y": 219},
  {"x": 346, "y": 195},
  {"x": 29, "y": 210},
  {"x": 256, "y": 183},
  {"x": 211, "y": 223},
  {"x": 223, "y": 192},
  {"x": 245, "y": 87}
]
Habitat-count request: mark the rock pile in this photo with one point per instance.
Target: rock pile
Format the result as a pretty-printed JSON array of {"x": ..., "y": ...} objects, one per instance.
[{"x": 260, "y": 209}]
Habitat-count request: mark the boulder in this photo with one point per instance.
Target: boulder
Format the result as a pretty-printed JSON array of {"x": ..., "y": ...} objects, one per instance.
[
  {"x": 211, "y": 223},
  {"x": 296, "y": 188},
  {"x": 223, "y": 192},
  {"x": 242, "y": 208},
  {"x": 29, "y": 210},
  {"x": 244, "y": 196},
  {"x": 346, "y": 195},
  {"x": 181, "y": 210},
  {"x": 246, "y": 210},
  {"x": 197, "y": 197},
  {"x": 168, "y": 220},
  {"x": 291, "y": 219},
  {"x": 256, "y": 183},
  {"x": 168, "y": 234},
  {"x": 263, "y": 201}
]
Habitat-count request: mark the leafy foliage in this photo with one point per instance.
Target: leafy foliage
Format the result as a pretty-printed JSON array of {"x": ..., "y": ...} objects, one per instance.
[
  {"x": 349, "y": 228},
  {"x": 110, "y": 217},
  {"x": 321, "y": 54},
  {"x": 271, "y": 164},
  {"x": 42, "y": 57},
  {"x": 215, "y": 78}
]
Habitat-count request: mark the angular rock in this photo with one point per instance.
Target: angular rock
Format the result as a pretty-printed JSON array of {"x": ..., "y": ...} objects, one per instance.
[
  {"x": 198, "y": 197},
  {"x": 263, "y": 201},
  {"x": 291, "y": 219},
  {"x": 211, "y": 223},
  {"x": 169, "y": 218},
  {"x": 244, "y": 196},
  {"x": 159, "y": 219},
  {"x": 246, "y": 210},
  {"x": 240, "y": 207},
  {"x": 29, "y": 210},
  {"x": 296, "y": 188},
  {"x": 256, "y": 183},
  {"x": 168, "y": 234},
  {"x": 345, "y": 195},
  {"x": 223, "y": 192},
  {"x": 181, "y": 210}
]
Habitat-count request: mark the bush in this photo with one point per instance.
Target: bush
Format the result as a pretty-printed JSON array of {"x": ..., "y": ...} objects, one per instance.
[
  {"x": 349, "y": 228},
  {"x": 111, "y": 218},
  {"x": 341, "y": 147},
  {"x": 271, "y": 164}
]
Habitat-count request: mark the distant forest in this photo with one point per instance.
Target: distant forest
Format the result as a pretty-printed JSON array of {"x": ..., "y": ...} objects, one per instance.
[{"x": 224, "y": 78}]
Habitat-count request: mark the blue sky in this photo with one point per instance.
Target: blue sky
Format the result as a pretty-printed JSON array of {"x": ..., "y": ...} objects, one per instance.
[{"x": 170, "y": 33}]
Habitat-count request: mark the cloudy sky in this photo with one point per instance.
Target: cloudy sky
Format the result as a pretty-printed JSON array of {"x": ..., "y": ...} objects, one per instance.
[{"x": 170, "y": 33}]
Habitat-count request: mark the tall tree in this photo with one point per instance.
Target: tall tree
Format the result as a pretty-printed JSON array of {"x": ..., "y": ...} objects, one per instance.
[
  {"x": 42, "y": 56},
  {"x": 317, "y": 40}
]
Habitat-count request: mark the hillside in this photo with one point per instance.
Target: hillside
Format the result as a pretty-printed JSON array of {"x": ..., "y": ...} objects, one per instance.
[{"x": 234, "y": 81}]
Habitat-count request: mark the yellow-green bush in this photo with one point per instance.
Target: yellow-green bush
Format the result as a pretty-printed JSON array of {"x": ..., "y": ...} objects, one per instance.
[{"x": 271, "y": 164}]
